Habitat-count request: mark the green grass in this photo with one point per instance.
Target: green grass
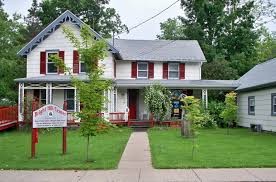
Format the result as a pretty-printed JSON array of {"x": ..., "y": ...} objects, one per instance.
[
  {"x": 106, "y": 150},
  {"x": 242, "y": 148}
]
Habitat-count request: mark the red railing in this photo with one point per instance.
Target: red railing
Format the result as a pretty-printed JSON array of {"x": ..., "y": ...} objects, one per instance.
[
  {"x": 118, "y": 118},
  {"x": 8, "y": 117}
]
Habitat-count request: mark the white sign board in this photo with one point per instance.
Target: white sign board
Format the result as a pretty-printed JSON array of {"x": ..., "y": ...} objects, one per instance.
[{"x": 49, "y": 116}]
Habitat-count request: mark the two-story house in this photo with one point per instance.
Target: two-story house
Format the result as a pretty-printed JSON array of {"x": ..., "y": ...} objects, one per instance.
[{"x": 131, "y": 64}]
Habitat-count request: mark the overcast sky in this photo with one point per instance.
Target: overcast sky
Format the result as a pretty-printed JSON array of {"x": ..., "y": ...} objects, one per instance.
[{"x": 132, "y": 12}]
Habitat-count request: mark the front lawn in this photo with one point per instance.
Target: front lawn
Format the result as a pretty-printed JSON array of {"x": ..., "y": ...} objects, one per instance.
[
  {"x": 106, "y": 150},
  {"x": 242, "y": 148}
]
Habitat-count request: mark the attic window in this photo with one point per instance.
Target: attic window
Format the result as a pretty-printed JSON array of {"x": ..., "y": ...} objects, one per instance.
[{"x": 51, "y": 67}]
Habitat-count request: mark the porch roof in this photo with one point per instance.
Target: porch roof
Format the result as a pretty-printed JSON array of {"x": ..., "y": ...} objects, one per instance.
[
  {"x": 51, "y": 78},
  {"x": 192, "y": 84},
  {"x": 140, "y": 83}
]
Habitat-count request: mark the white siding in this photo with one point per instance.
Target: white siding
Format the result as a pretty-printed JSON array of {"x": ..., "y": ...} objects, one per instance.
[
  {"x": 123, "y": 69},
  {"x": 262, "y": 109},
  {"x": 121, "y": 100},
  {"x": 192, "y": 70},
  {"x": 58, "y": 41}
]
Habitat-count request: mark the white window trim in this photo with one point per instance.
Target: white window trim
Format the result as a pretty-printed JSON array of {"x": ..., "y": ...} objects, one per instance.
[
  {"x": 249, "y": 105},
  {"x": 66, "y": 99},
  {"x": 174, "y": 71},
  {"x": 49, "y": 52},
  {"x": 80, "y": 67},
  {"x": 142, "y": 70},
  {"x": 40, "y": 96},
  {"x": 273, "y": 96}
]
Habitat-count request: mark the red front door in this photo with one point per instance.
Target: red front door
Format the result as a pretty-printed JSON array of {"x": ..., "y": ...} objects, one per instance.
[{"x": 132, "y": 102}]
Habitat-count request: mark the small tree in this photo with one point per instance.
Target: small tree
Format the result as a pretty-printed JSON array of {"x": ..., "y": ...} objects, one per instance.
[
  {"x": 158, "y": 101},
  {"x": 90, "y": 92},
  {"x": 194, "y": 117},
  {"x": 229, "y": 114}
]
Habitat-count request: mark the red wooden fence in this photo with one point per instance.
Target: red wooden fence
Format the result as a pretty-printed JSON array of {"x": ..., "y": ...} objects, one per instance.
[{"x": 8, "y": 117}]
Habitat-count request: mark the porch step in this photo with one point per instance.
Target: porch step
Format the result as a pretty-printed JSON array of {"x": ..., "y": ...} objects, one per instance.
[{"x": 140, "y": 124}]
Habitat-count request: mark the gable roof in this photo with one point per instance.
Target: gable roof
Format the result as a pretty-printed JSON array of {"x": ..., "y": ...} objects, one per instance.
[
  {"x": 159, "y": 50},
  {"x": 67, "y": 16},
  {"x": 262, "y": 75}
]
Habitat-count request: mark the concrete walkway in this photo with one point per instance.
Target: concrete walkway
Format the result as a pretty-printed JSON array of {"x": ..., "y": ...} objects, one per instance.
[{"x": 135, "y": 166}]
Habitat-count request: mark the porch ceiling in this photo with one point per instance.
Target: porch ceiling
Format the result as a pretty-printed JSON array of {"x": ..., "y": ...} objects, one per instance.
[{"x": 190, "y": 84}]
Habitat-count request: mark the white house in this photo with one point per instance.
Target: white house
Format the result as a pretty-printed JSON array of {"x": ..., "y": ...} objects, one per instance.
[
  {"x": 131, "y": 64},
  {"x": 257, "y": 96}
]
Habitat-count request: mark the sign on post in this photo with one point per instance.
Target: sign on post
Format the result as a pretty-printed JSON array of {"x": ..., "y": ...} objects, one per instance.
[{"x": 49, "y": 116}]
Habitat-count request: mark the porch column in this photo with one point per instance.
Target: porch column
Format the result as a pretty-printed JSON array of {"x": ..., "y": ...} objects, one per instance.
[
  {"x": 20, "y": 101},
  {"x": 115, "y": 92},
  {"x": 205, "y": 97},
  {"x": 49, "y": 93},
  {"x": 76, "y": 107}
]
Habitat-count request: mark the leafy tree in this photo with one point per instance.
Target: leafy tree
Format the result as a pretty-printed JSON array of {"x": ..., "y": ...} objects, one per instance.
[
  {"x": 226, "y": 30},
  {"x": 95, "y": 13},
  {"x": 194, "y": 116},
  {"x": 90, "y": 92},
  {"x": 171, "y": 29},
  {"x": 33, "y": 23},
  {"x": 11, "y": 66},
  {"x": 229, "y": 114},
  {"x": 158, "y": 101}
]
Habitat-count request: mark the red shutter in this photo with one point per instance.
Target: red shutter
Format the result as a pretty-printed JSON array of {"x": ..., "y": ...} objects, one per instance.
[
  {"x": 151, "y": 70},
  {"x": 42, "y": 62},
  {"x": 134, "y": 70},
  {"x": 165, "y": 70},
  {"x": 76, "y": 61},
  {"x": 61, "y": 55},
  {"x": 182, "y": 71}
]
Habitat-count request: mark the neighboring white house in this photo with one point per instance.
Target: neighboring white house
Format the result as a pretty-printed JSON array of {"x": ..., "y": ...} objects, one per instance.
[
  {"x": 131, "y": 64},
  {"x": 257, "y": 96}
]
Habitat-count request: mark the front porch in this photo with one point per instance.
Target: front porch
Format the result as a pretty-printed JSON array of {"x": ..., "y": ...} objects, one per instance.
[{"x": 125, "y": 104}]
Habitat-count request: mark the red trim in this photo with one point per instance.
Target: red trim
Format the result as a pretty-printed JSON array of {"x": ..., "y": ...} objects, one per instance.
[
  {"x": 61, "y": 55},
  {"x": 151, "y": 70},
  {"x": 165, "y": 70},
  {"x": 76, "y": 66},
  {"x": 134, "y": 70},
  {"x": 42, "y": 62},
  {"x": 182, "y": 71}
]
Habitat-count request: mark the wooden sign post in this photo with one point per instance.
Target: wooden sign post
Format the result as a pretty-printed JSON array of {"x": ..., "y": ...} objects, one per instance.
[{"x": 48, "y": 116}]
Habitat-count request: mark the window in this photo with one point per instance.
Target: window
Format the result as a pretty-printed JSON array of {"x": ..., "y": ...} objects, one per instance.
[
  {"x": 173, "y": 70},
  {"x": 51, "y": 67},
  {"x": 273, "y": 104},
  {"x": 82, "y": 67},
  {"x": 251, "y": 105},
  {"x": 142, "y": 70},
  {"x": 42, "y": 96},
  {"x": 70, "y": 98}
]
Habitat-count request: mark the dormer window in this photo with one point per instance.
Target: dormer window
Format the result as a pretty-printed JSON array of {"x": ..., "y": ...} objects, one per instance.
[
  {"x": 142, "y": 70},
  {"x": 51, "y": 67},
  {"x": 173, "y": 70}
]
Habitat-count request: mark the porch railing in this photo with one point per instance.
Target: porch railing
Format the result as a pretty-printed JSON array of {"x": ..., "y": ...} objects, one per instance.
[{"x": 8, "y": 117}]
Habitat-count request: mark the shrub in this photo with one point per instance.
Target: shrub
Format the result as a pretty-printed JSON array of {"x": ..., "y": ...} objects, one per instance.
[
  {"x": 214, "y": 109},
  {"x": 208, "y": 120}
]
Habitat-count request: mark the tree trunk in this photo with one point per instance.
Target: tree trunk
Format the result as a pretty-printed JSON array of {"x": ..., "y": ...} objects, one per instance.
[
  {"x": 87, "y": 149},
  {"x": 185, "y": 128}
]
